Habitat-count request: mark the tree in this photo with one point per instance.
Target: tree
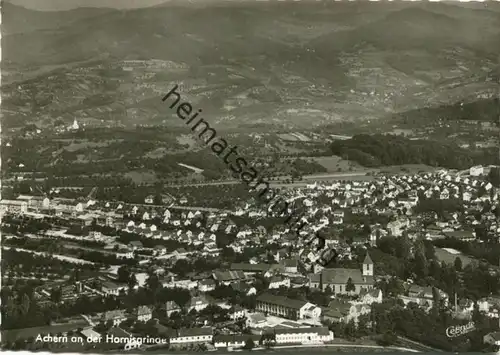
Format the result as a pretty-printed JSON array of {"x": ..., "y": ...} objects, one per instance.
[
  {"x": 458, "y": 264},
  {"x": 389, "y": 338},
  {"x": 26, "y": 304},
  {"x": 268, "y": 343},
  {"x": 395, "y": 287},
  {"x": 181, "y": 267},
  {"x": 350, "y": 329},
  {"x": 158, "y": 199},
  {"x": 124, "y": 274},
  {"x": 132, "y": 282},
  {"x": 249, "y": 344},
  {"x": 350, "y": 285},
  {"x": 56, "y": 295},
  {"x": 153, "y": 282},
  {"x": 420, "y": 264},
  {"x": 494, "y": 176}
]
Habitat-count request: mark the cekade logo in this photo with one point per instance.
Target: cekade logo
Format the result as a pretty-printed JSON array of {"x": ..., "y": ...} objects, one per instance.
[{"x": 457, "y": 330}]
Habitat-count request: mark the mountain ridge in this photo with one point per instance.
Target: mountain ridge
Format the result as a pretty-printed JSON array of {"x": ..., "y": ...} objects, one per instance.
[{"x": 259, "y": 59}]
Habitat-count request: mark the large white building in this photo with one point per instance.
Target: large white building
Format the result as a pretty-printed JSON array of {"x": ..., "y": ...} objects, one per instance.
[
  {"x": 286, "y": 307},
  {"x": 193, "y": 335},
  {"x": 303, "y": 335},
  {"x": 476, "y": 170},
  {"x": 315, "y": 335},
  {"x": 35, "y": 202},
  {"x": 13, "y": 206}
]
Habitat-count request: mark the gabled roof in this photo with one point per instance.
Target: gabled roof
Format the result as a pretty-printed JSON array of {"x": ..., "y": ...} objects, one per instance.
[
  {"x": 250, "y": 267},
  {"x": 368, "y": 260},
  {"x": 143, "y": 310},
  {"x": 495, "y": 336},
  {"x": 110, "y": 315},
  {"x": 171, "y": 305},
  {"x": 229, "y": 275}
]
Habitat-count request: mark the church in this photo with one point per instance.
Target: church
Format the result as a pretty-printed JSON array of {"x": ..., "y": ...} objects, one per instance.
[
  {"x": 337, "y": 279},
  {"x": 75, "y": 126}
]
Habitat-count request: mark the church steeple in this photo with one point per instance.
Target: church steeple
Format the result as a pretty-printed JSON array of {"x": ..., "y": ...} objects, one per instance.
[
  {"x": 367, "y": 266},
  {"x": 75, "y": 125}
]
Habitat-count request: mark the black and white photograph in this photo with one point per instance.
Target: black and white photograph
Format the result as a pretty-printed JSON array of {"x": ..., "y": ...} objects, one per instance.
[{"x": 289, "y": 177}]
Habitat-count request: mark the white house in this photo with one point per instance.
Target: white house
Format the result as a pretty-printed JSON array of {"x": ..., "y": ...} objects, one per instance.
[
  {"x": 110, "y": 288},
  {"x": 303, "y": 335},
  {"x": 193, "y": 335},
  {"x": 278, "y": 281},
  {"x": 476, "y": 170},
  {"x": 372, "y": 296},
  {"x": 116, "y": 316},
  {"x": 235, "y": 340},
  {"x": 144, "y": 313}
]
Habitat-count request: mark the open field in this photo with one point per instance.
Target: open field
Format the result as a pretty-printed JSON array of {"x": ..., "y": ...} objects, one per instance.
[
  {"x": 449, "y": 258},
  {"x": 140, "y": 177},
  {"x": 75, "y": 146},
  {"x": 407, "y": 168},
  {"x": 337, "y": 164}
]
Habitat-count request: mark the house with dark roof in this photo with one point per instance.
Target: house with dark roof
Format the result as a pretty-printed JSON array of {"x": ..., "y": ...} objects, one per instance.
[
  {"x": 256, "y": 320},
  {"x": 250, "y": 268},
  {"x": 171, "y": 307},
  {"x": 492, "y": 338},
  {"x": 228, "y": 277},
  {"x": 136, "y": 244},
  {"x": 112, "y": 288},
  {"x": 424, "y": 296},
  {"x": 116, "y": 316},
  {"x": 371, "y": 296},
  {"x": 339, "y": 311},
  {"x": 206, "y": 285},
  {"x": 290, "y": 265},
  {"x": 198, "y": 303},
  {"x": 242, "y": 286}
]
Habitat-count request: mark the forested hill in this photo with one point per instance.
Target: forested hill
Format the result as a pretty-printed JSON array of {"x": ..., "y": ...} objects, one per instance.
[
  {"x": 380, "y": 150},
  {"x": 484, "y": 110}
]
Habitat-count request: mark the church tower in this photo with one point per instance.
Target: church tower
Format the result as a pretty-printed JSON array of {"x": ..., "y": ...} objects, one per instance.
[
  {"x": 75, "y": 125},
  {"x": 368, "y": 266}
]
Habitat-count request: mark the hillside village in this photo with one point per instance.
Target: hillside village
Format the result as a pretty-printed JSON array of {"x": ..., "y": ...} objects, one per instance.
[{"x": 218, "y": 279}]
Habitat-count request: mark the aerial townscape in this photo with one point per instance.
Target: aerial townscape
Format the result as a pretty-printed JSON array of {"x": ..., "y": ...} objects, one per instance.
[{"x": 122, "y": 231}]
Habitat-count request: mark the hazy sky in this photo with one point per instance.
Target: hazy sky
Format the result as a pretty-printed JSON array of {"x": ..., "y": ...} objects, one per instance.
[
  {"x": 54, "y": 5},
  {"x": 48, "y": 5}
]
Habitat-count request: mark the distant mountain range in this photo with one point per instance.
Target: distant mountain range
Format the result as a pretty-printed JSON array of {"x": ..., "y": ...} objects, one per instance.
[{"x": 346, "y": 60}]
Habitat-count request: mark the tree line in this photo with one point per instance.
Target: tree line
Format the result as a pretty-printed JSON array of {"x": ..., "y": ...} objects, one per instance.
[{"x": 379, "y": 150}]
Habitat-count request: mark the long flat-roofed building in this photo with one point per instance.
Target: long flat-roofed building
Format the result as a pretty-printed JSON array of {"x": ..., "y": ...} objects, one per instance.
[
  {"x": 286, "y": 307},
  {"x": 14, "y": 206}
]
